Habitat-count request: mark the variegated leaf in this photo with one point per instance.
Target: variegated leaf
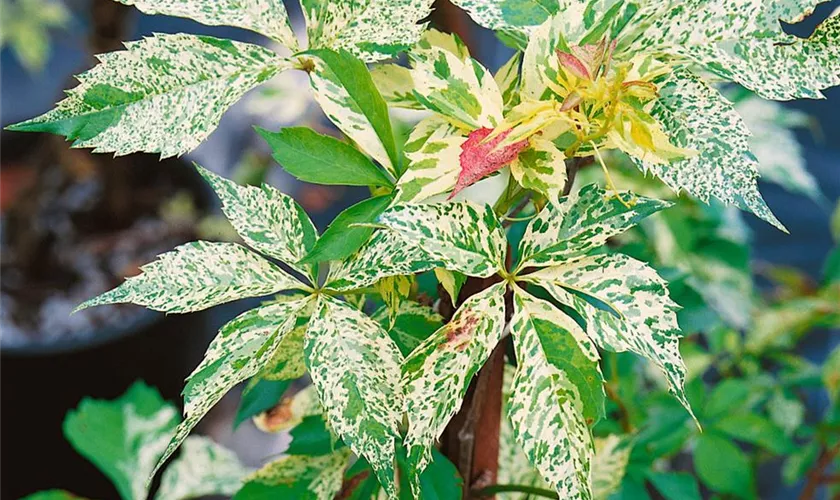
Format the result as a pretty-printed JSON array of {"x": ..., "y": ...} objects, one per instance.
[
  {"x": 298, "y": 476},
  {"x": 242, "y": 348},
  {"x": 343, "y": 87},
  {"x": 164, "y": 94},
  {"x": 267, "y": 17},
  {"x": 697, "y": 117},
  {"x": 290, "y": 411},
  {"x": 451, "y": 283},
  {"x": 462, "y": 91},
  {"x": 413, "y": 324},
  {"x": 540, "y": 67},
  {"x": 508, "y": 78},
  {"x": 385, "y": 254},
  {"x": 395, "y": 84},
  {"x": 541, "y": 167},
  {"x": 355, "y": 368},
  {"x": 462, "y": 236},
  {"x": 612, "y": 454},
  {"x": 268, "y": 220},
  {"x": 371, "y": 29},
  {"x": 437, "y": 373},
  {"x": 287, "y": 363},
  {"x": 642, "y": 317},
  {"x": 505, "y": 14},
  {"x": 433, "y": 150},
  {"x": 394, "y": 290},
  {"x": 204, "y": 468},
  {"x": 546, "y": 407},
  {"x": 199, "y": 275},
  {"x": 580, "y": 222}
]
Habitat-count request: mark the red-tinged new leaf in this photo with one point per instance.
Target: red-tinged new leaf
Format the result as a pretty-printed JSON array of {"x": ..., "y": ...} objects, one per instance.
[{"x": 480, "y": 158}]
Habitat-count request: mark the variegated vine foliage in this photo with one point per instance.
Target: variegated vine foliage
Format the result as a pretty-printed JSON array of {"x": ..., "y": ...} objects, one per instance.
[{"x": 590, "y": 81}]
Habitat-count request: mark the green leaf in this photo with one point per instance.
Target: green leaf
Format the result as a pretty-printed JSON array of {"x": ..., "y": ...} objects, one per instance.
[
  {"x": 697, "y": 117},
  {"x": 464, "y": 237},
  {"x": 547, "y": 409},
  {"x": 394, "y": 290},
  {"x": 267, "y": 17},
  {"x": 831, "y": 375},
  {"x": 123, "y": 438},
  {"x": 451, "y": 283},
  {"x": 199, "y": 275},
  {"x": 290, "y": 412},
  {"x": 433, "y": 150},
  {"x": 728, "y": 397},
  {"x": 259, "y": 397},
  {"x": 343, "y": 237},
  {"x": 675, "y": 485},
  {"x": 436, "y": 375},
  {"x": 640, "y": 316},
  {"x": 312, "y": 437},
  {"x": 267, "y": 220},
  {"x": 52, "y": 495},
  {"x": 800, "y": 462},
  {"x": 26, "y": 26},
  {"x": 344, "y": 88},
  {"x": 757, "y": 430},
  {"x": 372, "y": 30},
  {"x": 580, "y": 222},
  {"x": 203, "y": 468},
  {"x": 413, "y": 324},
  {"x": 354, "y": 366},
  {"x": 612, "y": 454},
  {"x": 723, "y": 467},
  {"x": 297, "y": 476},
  {"x": 242, "y": 348},
  {"x": 321, "y": 159},
  {"x": 164, "y": 94},
  {"x": 439, "y": 481}
]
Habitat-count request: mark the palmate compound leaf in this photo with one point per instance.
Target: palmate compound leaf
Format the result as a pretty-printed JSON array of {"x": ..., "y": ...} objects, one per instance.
[
  {"x": 556, "y": 392},
  {"x": 697, "y": 117},
  {"x": 297, "y": 476},
  {"x": 355, "y": 368},
  {"x": 580, "y": 222},
  {"x": 435, "y": 376},
  {"x": 199, "y": 275},
  {"x": 203, "y": 468},
  {"x": 163, "y": 94},
  {"x": 267, "y": 220},
  {"x": 640, "y": 316},
  {"x": 371, "y": 29},
  {"x": 242, "y": 348},
  {"x": 464, "y": 237},
  {"x": 267, "y": 17}
]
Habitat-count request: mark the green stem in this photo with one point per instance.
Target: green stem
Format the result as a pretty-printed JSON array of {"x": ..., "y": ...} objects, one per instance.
[{"x": 514, "y": 488}]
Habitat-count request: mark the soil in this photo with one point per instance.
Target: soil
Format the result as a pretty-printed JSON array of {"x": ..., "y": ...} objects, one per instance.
[{"x": 75, "y": 224}]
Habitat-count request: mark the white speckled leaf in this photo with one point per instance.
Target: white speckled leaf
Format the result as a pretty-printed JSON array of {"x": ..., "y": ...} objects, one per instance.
[
  {"x": 300, "y": 477},
  {"x": 643, "y": 319},
  {"x": 433, "y": 150},
  {"x": 371, "y": 29},
  {"x": 203, "y": 468},
  {"x": 541, "y": 167},
  {"x": 546, "y": 408},
  {"x": 579, "y": 222},
  {"x": 385, "y": 254},
  {"x": 267, "y": 17},
  {"x": 506, "y": 14},
  {"x": 242, "y": 348},
  {"x": 268, "y": 220},
  {"x": 612, "y": 454},
  {"x": 394, "y": 290},
  {"x": 540, "y": 67},
  {"x": 164, "y": 94},
  {"x": 414, "y": 323},
  {"x": 463, "y": 236},
  {"x": 199, "y": 275},
  {"x": 508, "y": 78},
  {"x": 697, "y": 117},
  {"x": 355, "y": 367},
  {"x": 437, "y": 373}
]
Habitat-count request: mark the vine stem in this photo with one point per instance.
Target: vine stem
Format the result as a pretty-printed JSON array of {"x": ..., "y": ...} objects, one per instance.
[
  {"x": 816, "y": 477},
  {"x": 513, "y": 488}
]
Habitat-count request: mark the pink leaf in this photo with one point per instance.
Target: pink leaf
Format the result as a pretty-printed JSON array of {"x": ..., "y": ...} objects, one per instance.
[
  {"x": 480, "y": 158},
  {"x": 573, "y": 65}
]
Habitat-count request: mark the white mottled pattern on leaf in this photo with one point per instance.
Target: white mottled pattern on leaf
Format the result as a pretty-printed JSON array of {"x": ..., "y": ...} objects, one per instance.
[
  {"x": 540, "y": 67},
  {"x": 394, "y": 290},
  {"x": 267, "y": 17},
  {"x": 290, "y": 411},
  {"x": 580, "y": 222},
  {"x": 437, "y": 373},
  {"x": 541, "y": 167},
  {"x": 546, "y": 411},
  {"x": 203, "y": 468},
  {"x": 268, "y": 220},
  {"x": 697, "y": 117},
  {"x": 355, "y": 367},
  {"x": 643, "y": 320},
  {"x": 385, "y": 254},
  {"x": 508, "y": 79},
  {"x": 464, "y": 237},
  {"x": 433, "y": 149},
  {"x": 612, "y": 454},
  {"x": 242, "y": 348},
  {"x": 322, "y": 475},
  {"x": 371, "y": 29},
  {"x": 164, "y": 94},
  {"x": 395, "y": 84},
  {"x": 287, "y": 363},
  {"x": 199, "y": 275}
]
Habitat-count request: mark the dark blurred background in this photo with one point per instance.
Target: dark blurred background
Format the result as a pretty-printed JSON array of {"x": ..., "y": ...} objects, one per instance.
[{"x": 75, "y": 224}]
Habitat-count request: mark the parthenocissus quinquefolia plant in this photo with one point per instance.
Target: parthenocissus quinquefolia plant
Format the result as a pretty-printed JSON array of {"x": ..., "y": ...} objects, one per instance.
[{"x": 590, "y": 82}]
